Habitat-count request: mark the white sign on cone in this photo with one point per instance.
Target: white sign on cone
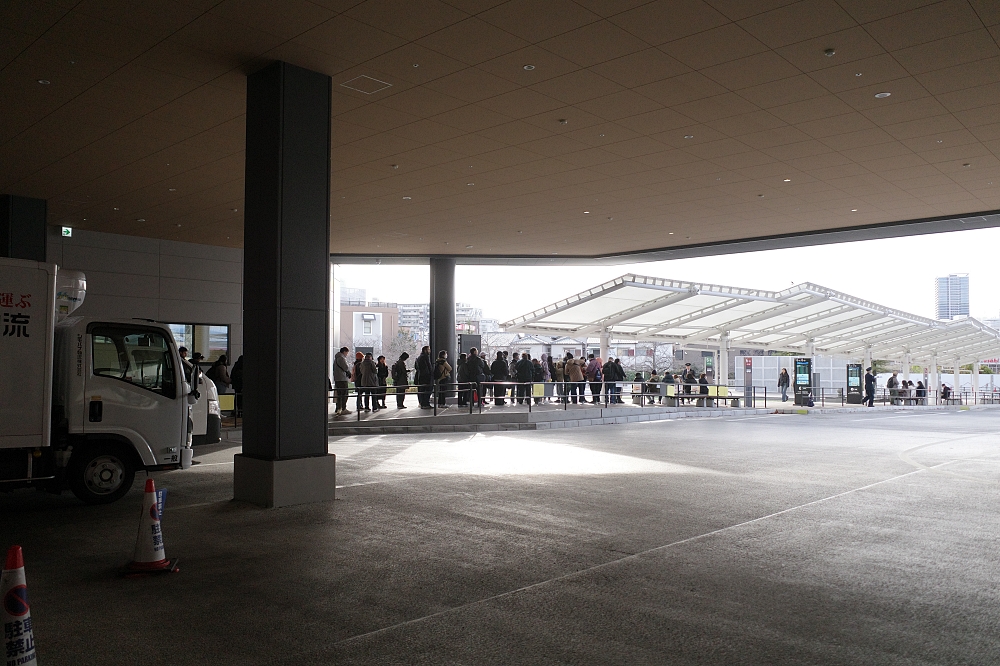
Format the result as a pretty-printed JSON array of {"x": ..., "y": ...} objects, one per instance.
[
  {"x": 15, "y": 614},
  {"x": 150, "y": 555}
]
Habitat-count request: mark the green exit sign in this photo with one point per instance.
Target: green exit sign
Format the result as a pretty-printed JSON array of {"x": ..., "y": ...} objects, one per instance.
[{"x": 67, "y": 232}]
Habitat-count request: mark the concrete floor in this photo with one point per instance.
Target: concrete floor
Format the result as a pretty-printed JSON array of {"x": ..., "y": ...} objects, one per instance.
[{"x": 785, "y": 539}]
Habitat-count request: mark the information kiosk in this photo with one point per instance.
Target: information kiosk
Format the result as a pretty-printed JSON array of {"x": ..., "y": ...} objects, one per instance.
[
  {"x": 855, "y": 381},
  {"x": 802, "y": 380}
]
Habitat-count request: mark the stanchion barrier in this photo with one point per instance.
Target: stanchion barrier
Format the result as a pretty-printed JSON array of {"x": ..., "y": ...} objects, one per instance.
[
  {"x": 150, "y": 553},
  {"x": 15, "y": 613}
]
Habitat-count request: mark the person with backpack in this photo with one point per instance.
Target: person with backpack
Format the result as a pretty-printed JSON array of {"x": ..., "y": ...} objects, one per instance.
[
  {"x": 423, "y": 377},
  {"x": 501, "y": 373},
  {"x": 442, "y": 376},
  {"x": 400, "y": 379},
  {"x": 893, "y": 385}
]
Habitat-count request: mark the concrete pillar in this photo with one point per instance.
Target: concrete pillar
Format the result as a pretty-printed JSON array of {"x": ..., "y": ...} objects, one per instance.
[
  {"x": 605, "y": 344},
  {"x": 23, "y": 233},
  {"x": 442, "y": 310},
  {"x": 810, "y": 347},
  {"x": 286, "y": 290},
  {"x": 906, "y": 367},
  {"x": 958, "y": 375},
  {"x": 867, "y": 362},
  {"x": 935, "y": 383},
  {"x": 723, "y": 365},
  {"x": 975, "y": 378}
]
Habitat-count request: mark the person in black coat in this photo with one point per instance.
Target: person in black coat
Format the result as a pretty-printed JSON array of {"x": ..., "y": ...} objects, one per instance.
[
  {"x": 501, "y": 373},
  {"x": 869, "y": 388},
  {"x": 462, "y": 377},
  {"x": 400, "y": 379},
  {"x": 525, "y": 372},
  {"x": 382, "y": 370},
  {"x": 423, "y": 377},
  {"x": 475, "y": 369},
  {"x": 703, "y": 391}
]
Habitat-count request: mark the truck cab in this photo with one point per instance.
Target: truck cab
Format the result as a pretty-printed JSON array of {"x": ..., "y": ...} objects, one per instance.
[{"x": 98, "y": 400}]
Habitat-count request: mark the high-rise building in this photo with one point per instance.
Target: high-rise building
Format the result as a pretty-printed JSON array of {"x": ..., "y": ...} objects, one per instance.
[{"x": 951, "y": 299}]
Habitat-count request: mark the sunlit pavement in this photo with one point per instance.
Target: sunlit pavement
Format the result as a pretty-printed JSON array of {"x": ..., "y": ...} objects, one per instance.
[{"x": 833, "y": 539}]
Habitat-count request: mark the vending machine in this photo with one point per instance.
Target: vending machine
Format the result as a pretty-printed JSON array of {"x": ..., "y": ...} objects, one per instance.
[
  {"x": 855, "y": 384},
  {"x": 802, "y": 380}
]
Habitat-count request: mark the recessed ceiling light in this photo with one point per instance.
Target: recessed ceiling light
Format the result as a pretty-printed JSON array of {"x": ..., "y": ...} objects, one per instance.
[
  {"x": 44, "y": 82},
  {"x": 171, "y": 189},
  {"x": 586, "y": 212},
  {"x": 854, "y": 210},
  {"x": 85, "y": 219},
  {"x": 470, "y": 183},
  {"x": 610, "y": 218},
  {"x": 882, "y": 95},
  {"x": 602, "y": 135},
  {"x": 689, "y": 136},
  {"x": 670, "y": 233},
  {"x": 829, "y": 53},
  {"x": 858, "y": 74},
  {"x": 416, "y": 65},
  {"x": 940, "y": 141},
  {"x": 116, "y": 208},
  {"x": 966, "y": 164},
  {"x": 234, "y": 209},
  {"x": 529, "y": 67},
  {"x": 407, "y": 198},
  {"x": 788, "y": 180},
  {"x": 519, "y": 232},
  {"x": 760, "y": 195},
  {"x": 468, "y": 247},
  {"x": 178, "y": 225},
  {"x": 395, "y": 166},
  {"x": 140, "y": 219},
  {"x": 563, "y": 121}
]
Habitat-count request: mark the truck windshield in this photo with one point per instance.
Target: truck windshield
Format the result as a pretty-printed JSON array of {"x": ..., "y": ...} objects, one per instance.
[{"x": 140, "y": 357}]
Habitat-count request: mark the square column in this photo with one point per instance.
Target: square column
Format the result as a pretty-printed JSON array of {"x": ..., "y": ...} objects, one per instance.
[
  {"x": 442, "y": 308},
  {"x": 23, "y": 233},
  {"x": 286, "y": 290}
]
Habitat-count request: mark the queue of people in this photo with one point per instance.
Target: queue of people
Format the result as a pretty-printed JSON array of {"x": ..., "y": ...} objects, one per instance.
[{"x": 474, "y": 380}]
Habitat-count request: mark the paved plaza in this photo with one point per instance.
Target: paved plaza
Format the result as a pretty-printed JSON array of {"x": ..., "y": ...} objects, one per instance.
[{"x": 779, "y": 539}]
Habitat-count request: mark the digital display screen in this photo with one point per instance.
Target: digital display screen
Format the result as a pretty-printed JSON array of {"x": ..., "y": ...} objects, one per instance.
[
  {"x": 854, "y": 380},
  {"x": 802, "y": 369}
]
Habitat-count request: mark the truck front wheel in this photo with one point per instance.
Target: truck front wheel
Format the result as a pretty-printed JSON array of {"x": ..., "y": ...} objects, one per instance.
[{"x": 101, "y": 474}]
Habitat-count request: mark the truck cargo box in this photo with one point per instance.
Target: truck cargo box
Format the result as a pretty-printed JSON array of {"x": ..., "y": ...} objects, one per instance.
[{"x": 27, "y": 309}]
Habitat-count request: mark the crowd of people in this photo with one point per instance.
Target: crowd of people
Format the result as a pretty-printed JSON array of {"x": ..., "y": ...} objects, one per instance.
[{"x": 476, "y": 379}]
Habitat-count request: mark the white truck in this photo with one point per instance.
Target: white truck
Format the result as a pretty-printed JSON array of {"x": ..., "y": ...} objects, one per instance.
[{"x": 84, "y": 403}]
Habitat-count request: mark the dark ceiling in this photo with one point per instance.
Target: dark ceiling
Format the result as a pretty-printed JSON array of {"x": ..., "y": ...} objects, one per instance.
[{"x": 525, "y": 127}]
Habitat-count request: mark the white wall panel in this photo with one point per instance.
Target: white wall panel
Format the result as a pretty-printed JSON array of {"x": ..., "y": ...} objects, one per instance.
[{"x": 169, "y": 281}]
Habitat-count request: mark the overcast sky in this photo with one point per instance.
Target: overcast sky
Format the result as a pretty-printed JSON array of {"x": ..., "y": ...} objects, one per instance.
[{"x": 896, "y": 272}]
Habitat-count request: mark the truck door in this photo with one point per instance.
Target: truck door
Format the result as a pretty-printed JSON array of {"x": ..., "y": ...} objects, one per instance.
[{"x": 134, "y": 389}]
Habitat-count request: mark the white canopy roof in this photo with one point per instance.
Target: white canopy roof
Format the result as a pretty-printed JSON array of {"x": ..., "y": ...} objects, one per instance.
[{"x": 637, "y": 307}]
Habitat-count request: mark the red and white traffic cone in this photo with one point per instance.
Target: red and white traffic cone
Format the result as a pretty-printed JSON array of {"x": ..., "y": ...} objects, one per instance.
[
  {"x": 15, "y": 615},
  {"x": 150, "y": 555}
]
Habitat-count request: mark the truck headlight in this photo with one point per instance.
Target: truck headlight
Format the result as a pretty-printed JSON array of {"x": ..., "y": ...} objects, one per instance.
[{"x": 213, "y": 408}]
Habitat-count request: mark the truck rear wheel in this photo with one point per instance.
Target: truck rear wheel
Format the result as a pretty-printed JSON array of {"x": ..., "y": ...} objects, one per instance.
[{"x": 102, "y": 474}]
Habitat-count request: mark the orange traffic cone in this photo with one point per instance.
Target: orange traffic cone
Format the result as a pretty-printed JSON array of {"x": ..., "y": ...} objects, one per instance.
[
  {"x": 15, "y": 615},
  {"x": 150, "y": 556}
]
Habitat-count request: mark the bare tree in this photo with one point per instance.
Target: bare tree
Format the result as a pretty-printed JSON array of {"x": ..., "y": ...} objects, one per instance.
[{"x": 404, "y": 341}]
